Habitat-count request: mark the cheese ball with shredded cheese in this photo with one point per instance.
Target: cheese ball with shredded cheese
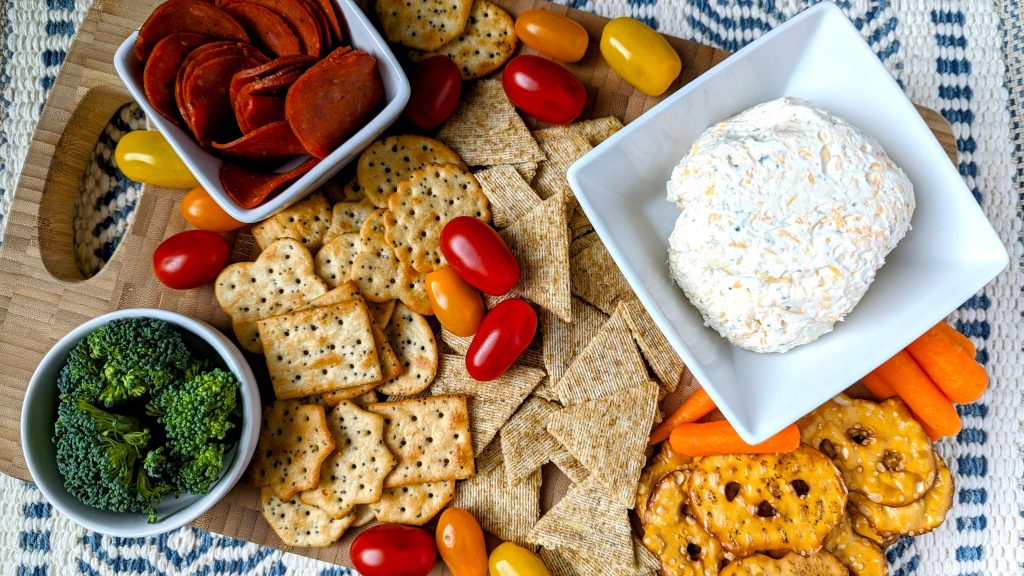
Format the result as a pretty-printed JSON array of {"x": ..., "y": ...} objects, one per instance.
[{"x": 787, "y": 212}]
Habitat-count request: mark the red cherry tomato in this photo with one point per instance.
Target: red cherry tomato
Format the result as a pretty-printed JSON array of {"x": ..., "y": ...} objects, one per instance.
[
  {"x": 393, "y": 550},
  {"x": 552, "y": 34},
  {"x": 543, "y": 89},
  {"x": 190, "y": 259},
  {"x": 436, "y": 87},
  {"x": 479, "y": 255},
  {"x": 505, "y": 333}
]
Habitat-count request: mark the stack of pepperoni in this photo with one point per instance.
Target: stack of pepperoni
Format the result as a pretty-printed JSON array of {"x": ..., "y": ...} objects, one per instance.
[{"x": 257, "y": 81}]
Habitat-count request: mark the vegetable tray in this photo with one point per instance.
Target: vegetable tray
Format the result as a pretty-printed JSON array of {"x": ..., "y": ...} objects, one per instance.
[{"x": 43, "y": 295}]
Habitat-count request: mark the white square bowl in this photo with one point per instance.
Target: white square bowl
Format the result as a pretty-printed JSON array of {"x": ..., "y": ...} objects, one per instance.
[
  {"x": 951, "y": 252},
  {"x": 357, "y": 31}
]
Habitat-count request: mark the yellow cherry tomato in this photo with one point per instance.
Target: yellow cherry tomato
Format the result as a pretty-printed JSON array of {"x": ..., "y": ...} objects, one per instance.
[
  {"x": 509, "y": 559},
  {"x": 145, "y": 156},
  {"x": 457, "y": 305},
  {"x": 552, "y": 34},
  {"x": 202, "y": 211},
  {"x": 460, "y": 540},
  {"x": 640, "y": 55}
]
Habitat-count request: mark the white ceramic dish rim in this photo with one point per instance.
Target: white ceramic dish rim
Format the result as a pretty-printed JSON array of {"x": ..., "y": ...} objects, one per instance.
[
  {"x": 245, "y": 448},
  {"x": 396, "y": 93},
  {"x": 822, "y": 10}
]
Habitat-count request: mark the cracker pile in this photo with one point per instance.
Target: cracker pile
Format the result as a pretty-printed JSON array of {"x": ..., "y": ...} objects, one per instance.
[
  {"x": 865, "y": 475},
  {"x": 476, "y": 34},
  {"x": 583, "y": 396}
]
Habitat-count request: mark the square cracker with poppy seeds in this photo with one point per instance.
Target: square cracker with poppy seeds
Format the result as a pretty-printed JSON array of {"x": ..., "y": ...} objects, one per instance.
[
  {"x": 320, "y": 349},
  {"x": 429, "y": 437}
]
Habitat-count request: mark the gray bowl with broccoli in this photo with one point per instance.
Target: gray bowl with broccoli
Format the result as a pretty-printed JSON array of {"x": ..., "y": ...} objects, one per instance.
[{"x": 140, "y": 420}]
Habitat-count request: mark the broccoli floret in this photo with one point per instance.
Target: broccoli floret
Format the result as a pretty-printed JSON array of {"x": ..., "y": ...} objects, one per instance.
[
  {"x": 82, "y": 375},
  {"x": 134, "y": 357},
  {"x": 196, "y": 411},
  {"x": 100, "y": 455},
  {"x": 198, "y": 474}
]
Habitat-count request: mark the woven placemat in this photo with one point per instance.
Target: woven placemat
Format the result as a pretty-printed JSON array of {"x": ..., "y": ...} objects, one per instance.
[{"x": 961, "y": 58}]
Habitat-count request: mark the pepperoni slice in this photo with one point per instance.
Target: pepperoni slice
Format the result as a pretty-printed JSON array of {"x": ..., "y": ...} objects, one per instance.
[
  {"x": 196, "y": 16},
  {"x": 246, "y": 76},
  {"x": 162, "y": 68},
  {"x": 250, "y": 189},
  {"x": 253, "y": 111},
  {"x": 300, "y": 18},
  {"x": 333, "y": 99},
  {"x": 207, "y": 105},
  {"x": 333, "y": 19},
  {"x": 204, "y": 54},
  {"x": 275, "y": 140},
  {"x": 266, "y": 28}
]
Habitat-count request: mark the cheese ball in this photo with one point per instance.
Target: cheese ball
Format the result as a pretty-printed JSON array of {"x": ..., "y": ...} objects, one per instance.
[{"x": 786, "y": 214}]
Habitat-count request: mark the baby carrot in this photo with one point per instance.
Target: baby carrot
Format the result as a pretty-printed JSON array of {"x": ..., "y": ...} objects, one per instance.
[
  {"x": 878, "y": 386},
  {"x": 929, "y": 405},
  {"x": 714, "y": 438},
  {"x": 958, "y": 376},
  {"x": 697, "y": 406},
  {"x": 957, "y": 338}
]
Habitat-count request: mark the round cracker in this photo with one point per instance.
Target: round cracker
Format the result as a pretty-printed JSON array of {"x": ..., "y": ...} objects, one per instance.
[
  {"x": 488, "y": 41},
  {"x": 413, "y": 342},
  {"x": 423, "y": 24},
  {"x": 423, "y": 204},
  {"x": 333, "y": 262},
  {"x": 387, "y": 162}
]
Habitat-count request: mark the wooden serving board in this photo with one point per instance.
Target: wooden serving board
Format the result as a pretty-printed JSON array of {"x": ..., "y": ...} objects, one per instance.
[{"x": 42, "y": 293}]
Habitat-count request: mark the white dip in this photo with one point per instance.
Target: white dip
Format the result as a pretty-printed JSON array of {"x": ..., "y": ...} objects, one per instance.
[{"x": 786, "y": 213}]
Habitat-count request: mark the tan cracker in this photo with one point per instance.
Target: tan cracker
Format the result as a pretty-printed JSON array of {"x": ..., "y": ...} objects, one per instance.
[
  {"x": 486, "y": 129},
  {"x": 320, "y": 349},
  {"x": 507, "y": 510},
  {"x": 307, "y": 221},
  {"x": 280, "y": 280},
  {"x": 609, "y": 362},
  {"x": 413, "y": 342},
  {"x": 540, "y": 243},
  {"x": 355, "y": 472},
  {"x": 423, "y": 204},
  {"x": 294, "y": 442},
  {"x": 333, "y": 262},
  {"x": 381, "y": 277},
  {"x": 387, "y": 162},
  {"x": 509, "y": 194},
  {"x": 423, "y": 24},
  {"x": 429, "y": 437},
  {"x": 414, "y": 504},
  {"x": 487, "y": 42},
  {"x": 298, "y": 524}
]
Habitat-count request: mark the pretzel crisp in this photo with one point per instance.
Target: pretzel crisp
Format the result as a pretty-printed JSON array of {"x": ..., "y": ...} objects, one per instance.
[
  {"x": 862, "y": 527},
  {"x": 916, "y": 518},
  {"x": 762, "y": 502},
  {"x": 882, "y": 451},
  {"x": 671, "y": 533},
  {"x": 859, "y": 554},
  {"x": 818, "y": 564},
  {"x": 663, "y": 464}
]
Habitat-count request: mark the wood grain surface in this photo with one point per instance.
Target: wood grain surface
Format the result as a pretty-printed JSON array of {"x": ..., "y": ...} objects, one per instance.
[{"x": 42, "y": 293}]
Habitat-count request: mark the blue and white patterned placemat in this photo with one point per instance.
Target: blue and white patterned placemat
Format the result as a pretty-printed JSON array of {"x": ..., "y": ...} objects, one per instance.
[{"x": 961, "y": 58}]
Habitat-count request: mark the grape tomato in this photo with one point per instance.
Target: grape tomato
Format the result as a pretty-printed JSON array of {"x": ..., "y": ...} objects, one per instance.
[
  {"x": 543, "y": 89},
  {"x": 552, "y": 34},
  {"x": 506, "y": 332},
  {"x": 640, "y": 55},
  {"x": 457, "y": 305},
  {"x": 393, "y": 550},
  {"x": 202, "y": 211},
  {"x": 461, "y": 543},
  {"x": 508, "y": 559},
  {"x": 479, "y": 255},
  {"x": 436, "y": 88},
  {"x": 190, "y": 259},
  {"x": 145, "y": 156}
]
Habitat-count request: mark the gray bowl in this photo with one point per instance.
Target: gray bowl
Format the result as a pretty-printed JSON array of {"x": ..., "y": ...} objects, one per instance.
[{"x": 39, "y": 412}]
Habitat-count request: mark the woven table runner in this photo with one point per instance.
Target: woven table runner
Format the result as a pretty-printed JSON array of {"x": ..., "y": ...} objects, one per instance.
[{"x": 964, "y": 59}]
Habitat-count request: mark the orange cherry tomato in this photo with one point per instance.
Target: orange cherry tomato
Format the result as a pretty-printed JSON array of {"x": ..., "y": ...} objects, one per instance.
[
  {"x": 456, "y": 305},
  {"x": 203, "y": 212},
  {"x": 552, "y": 34},
  {"x": 461, "y": 543}
]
